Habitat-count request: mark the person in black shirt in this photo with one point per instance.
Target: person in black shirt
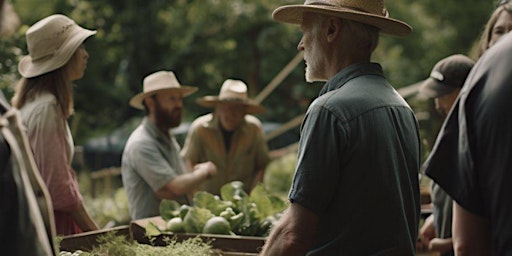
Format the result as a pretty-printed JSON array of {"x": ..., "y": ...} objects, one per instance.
[{"x": 471, "y": 158}]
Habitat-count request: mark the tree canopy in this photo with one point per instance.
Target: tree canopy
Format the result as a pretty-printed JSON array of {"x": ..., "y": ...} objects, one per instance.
[{"x": 207, "y": 41}]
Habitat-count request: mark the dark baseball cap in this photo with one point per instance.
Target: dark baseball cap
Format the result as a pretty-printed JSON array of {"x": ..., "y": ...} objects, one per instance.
[{"x": 447, "y": 75}]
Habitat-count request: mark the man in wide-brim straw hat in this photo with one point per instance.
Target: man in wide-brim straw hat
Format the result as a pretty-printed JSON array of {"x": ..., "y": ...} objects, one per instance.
[
  {"x": 152, "y": 168},
  {"x": 355, "y": 189},
  {"x": 234, "y": 91},
  {"x": 230, "y": 137}
]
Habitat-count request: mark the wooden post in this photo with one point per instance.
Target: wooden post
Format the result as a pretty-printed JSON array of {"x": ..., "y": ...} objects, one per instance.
[{"x": 279, "y": 78}]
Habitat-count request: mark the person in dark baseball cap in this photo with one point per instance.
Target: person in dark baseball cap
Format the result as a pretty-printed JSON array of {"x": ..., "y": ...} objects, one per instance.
[
  {"x": 445, "y": 81},
  {"x": 444, "y": 84}
]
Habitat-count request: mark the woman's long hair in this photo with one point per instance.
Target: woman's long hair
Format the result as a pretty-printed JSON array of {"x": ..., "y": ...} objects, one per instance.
[
  {"x": 483, "y": 44},
  {"x": 55, "y": 82}
]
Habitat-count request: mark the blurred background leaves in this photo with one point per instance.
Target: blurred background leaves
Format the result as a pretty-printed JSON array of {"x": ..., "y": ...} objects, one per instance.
[{"x": 207, "y": 41}]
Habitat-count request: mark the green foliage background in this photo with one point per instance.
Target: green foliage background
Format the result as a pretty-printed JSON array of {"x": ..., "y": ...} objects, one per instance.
[{"x": 208, "y": 41}]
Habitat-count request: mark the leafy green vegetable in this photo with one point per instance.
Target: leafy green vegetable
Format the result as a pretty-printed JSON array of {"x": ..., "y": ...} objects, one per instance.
[
  {"x": 152, "y": 229},
  {"x": 183, "y": 210},
  {"x": 250, "y": 223},
  {"x": 233, "y": 191},
  {"x": 195, "y": 219},
  {"x": 262, "y": 204},
  {"x": 228, "y": 213},
  {"x": 256, "y": 209},
  {"x": 236, "y": 222},
  {"x": 203, "y": 199},
  {"x": 175, "y": 225},
  {"x": 247, "y": 214},
  {"x": 217, "y": 225},
  {"x": 169, "y": 209}
]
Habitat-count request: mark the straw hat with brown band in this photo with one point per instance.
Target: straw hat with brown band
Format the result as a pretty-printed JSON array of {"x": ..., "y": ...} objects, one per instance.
[
  {"x": 160, "y": 81},
  {"x": 232, "y": 91},
  {"x": 371, "y": 12}
]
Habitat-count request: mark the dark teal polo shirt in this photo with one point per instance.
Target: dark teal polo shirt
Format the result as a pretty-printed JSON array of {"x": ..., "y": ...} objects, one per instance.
[{"x": 358, "y": 163}]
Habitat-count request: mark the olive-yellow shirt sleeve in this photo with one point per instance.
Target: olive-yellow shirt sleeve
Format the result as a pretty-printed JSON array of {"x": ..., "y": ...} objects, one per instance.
[{"x": 193, "y": 146}]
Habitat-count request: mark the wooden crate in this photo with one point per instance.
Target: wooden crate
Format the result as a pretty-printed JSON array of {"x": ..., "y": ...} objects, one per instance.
[
  {"x": 229, "y": 245},
  {"x": 224, "y": 245},
  {"x": 87, "y": 240}
]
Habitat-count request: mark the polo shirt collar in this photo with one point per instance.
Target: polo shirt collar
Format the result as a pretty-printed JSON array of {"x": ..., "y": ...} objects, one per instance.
[
  {"x": 154, "y": 131},
  {"x": 351, "y": 72},
  {"x": 215, "y": 123}
]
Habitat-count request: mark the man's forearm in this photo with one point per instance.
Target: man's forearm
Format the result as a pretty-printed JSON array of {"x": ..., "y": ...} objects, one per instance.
[
  {"x": 283, "y": 243},
  {"x": 188, "y": 182},
  {"x": 294, "y": 234},
  {"x": 182, "y": 185}
]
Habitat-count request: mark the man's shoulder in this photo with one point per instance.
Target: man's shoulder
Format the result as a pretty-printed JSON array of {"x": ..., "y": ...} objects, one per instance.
[
  {"x": 357, "y": 90},
  {"x": 359, "y": 95},
  {"x": 139, "y": 137},
  {"x": 252, "y": 120},
  {"x": 368, "y": 86},
  {"x": 202, "y": 121}
]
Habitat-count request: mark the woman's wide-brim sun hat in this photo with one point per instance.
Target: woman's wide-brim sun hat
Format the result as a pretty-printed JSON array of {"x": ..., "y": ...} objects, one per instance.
[
  {"x": 157, "y": 82},
  {"x": 51, "y": 42},
  {"x": 371, "y": 12},
  {"x": 234, "y": 91}
]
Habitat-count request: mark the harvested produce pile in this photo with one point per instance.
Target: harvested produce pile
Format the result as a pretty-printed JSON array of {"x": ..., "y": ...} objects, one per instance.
[{"x": 233, "y": 213}]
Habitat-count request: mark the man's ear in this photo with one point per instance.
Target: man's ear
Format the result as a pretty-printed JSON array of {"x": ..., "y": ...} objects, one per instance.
[
  {"x": 149, "y": 102},
  {"x": 334, "y": 26}
]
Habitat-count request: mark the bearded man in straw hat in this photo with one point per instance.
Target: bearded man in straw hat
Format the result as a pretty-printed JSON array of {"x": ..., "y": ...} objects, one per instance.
[
  {"x": 355, "y": 190},
  {"x": 230, "y": 137},
  {"x": 152, "y": 168}
]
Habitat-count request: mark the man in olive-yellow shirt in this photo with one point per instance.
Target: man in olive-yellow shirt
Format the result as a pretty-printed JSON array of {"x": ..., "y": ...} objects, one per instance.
[{"x": 230, "y": 137}]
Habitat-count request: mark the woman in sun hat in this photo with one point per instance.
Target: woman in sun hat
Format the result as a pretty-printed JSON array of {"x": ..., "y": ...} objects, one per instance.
[
  {"x": 44, "y": 96},
  {"x": 231, "y": 137}
]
